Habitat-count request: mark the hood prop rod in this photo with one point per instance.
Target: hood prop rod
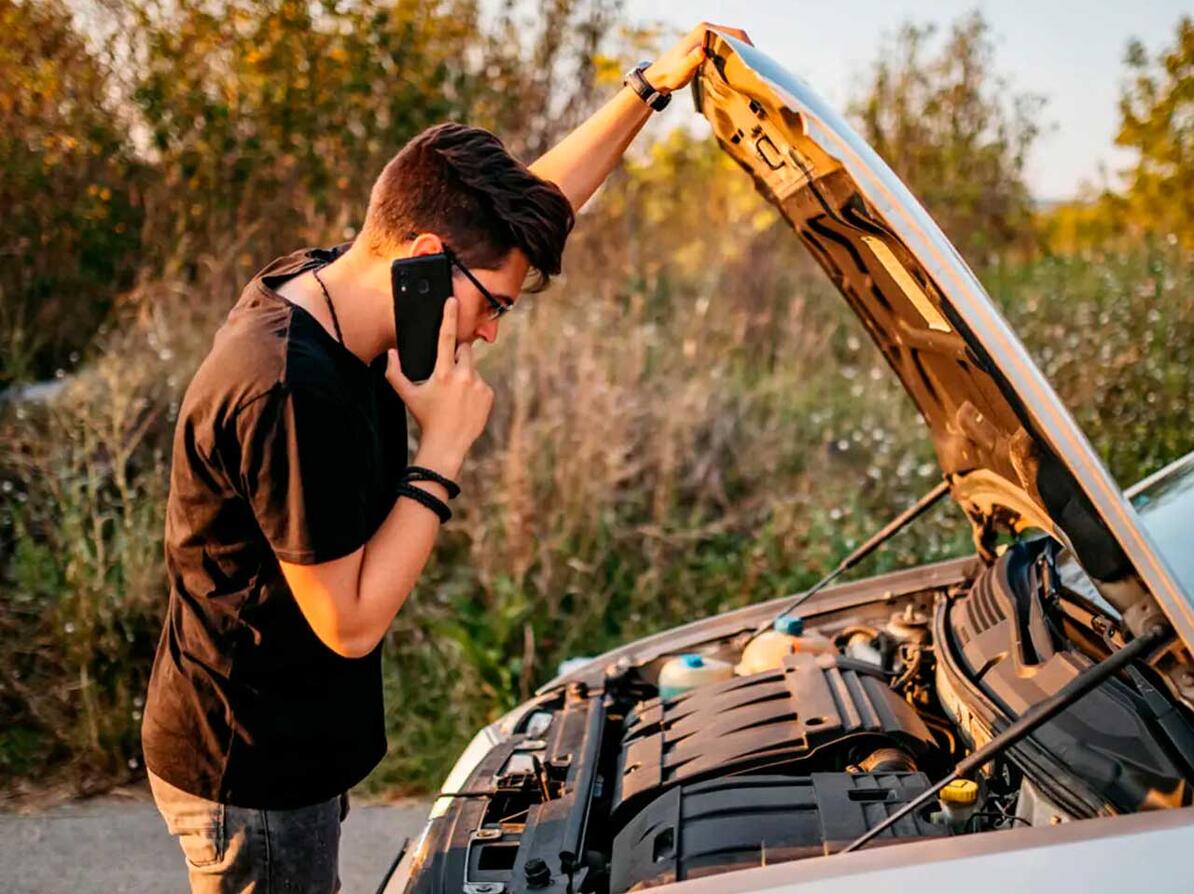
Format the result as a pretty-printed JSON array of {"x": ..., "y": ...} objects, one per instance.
[
  {"x": 864, "y": 549},
  {"x": 1026, "y": 723}
]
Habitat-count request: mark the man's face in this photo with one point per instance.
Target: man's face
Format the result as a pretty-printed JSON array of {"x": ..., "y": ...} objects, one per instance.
[
  {"x": 473, "y": 321},
  {"x": 504, "y": 283}
]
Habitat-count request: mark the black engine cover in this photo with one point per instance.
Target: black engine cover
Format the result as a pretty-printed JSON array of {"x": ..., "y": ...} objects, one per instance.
[
  {"x": 725, "y": 824},
  {"x": 781, "y": 719},
  {"x": 1111, "y": 739}
]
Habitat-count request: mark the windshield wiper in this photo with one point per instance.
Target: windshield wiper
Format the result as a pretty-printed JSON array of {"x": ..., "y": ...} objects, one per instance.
[
  {"x": 864, "y": 549},
  {"x": 1032, "y": 718}
]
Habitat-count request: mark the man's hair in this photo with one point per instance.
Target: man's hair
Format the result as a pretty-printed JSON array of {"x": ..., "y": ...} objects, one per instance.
[{"x": 460, "y": 183}]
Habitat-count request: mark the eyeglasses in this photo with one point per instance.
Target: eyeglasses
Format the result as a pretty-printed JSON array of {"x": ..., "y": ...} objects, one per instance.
[{"x": 497, "y": 307}]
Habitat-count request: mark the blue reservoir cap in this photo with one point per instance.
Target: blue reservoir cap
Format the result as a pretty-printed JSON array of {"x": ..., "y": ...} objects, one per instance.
[
  {"x": 792, "y": 626},
  {"x": 691, "y": 660}
]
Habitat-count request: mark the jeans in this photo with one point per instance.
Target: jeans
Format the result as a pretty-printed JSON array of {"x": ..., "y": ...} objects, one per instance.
[{"x": 239, "y": 849}]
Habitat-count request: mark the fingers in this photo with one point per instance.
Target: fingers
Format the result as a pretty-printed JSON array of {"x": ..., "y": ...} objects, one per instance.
[
  {"x": 447, "y": 337},
  {"x": 400, "y": 383}
]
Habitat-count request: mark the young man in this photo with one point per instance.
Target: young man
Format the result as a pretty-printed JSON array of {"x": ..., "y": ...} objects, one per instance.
[{"x": 295, "y": 528}]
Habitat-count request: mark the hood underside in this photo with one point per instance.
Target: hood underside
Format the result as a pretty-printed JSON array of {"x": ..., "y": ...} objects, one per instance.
[{"x": 1013, "y": 455}]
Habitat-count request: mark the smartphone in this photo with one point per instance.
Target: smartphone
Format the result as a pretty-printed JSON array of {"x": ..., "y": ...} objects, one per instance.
[{"x": 420, "y": 287}]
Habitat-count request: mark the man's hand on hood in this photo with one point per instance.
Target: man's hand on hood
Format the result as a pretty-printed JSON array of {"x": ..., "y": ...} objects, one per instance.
[{"x": 675, "y": 68}]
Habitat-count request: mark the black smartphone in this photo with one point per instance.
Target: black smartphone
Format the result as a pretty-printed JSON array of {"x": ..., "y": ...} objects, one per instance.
[{"x": 420, "y": 286}]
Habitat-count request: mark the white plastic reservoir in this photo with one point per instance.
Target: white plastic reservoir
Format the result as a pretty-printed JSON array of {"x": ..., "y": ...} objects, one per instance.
[
  {"x": 769, "y": 649},
  {"x": 685, "y": 672}
]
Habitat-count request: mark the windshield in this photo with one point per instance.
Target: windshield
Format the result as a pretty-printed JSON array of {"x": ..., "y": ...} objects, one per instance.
[{"x": 1166, "y": 506}]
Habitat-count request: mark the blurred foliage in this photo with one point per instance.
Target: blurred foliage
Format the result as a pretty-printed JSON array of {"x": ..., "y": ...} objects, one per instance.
[
  {"x": 70, "y": 186},
  {"x": 1083, "y": 224},
  {"x": 1114, "y": 333},
  {"x": 690, "y": 421},
  {"x": 260, "y": 114},
  {"x": 1157, "y": 121},
  {"x": 82, "y": 488},
  {"x": 1156, "y": 201},
  {"x": 541, "y": 70},
  {"x": 953, "y": 131},
  {"x": 267, "y": 112},
  {"x": 181, "y": 129}
]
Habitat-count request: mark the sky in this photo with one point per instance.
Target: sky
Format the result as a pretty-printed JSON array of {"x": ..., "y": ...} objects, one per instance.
[{"x": 1068, "y": 51}]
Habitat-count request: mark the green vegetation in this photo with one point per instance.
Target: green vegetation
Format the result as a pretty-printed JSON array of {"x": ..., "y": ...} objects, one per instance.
[
  {"x": 955, "y": 134},
  {"x": 69, "y": 187},
  {"x": 1156, "y": 124},
  {"x": 690, "y": 421}
]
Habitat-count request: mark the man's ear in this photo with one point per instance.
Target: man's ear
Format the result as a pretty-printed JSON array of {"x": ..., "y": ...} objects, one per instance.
[{"x": 426, "y": 244}]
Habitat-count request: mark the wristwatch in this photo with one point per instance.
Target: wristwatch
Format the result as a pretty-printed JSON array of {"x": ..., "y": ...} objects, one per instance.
[{"x": 637, "y": 81}]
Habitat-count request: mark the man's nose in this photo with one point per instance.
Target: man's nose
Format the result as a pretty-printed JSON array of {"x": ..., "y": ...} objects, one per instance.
[{"x": 488, "y": 331}]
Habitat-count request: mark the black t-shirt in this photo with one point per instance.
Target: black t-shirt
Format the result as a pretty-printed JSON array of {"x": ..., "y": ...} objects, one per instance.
[{"x": 287, "y": 447}]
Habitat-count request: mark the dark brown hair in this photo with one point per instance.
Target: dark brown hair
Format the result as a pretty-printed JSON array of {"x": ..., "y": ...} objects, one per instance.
[{"x": 460, "y": 183}]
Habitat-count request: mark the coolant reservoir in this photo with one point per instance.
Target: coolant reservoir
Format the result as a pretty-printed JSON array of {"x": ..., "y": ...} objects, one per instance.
[
  {"x": 769, "y": 649},
  {"x": 685, "y": 672}
]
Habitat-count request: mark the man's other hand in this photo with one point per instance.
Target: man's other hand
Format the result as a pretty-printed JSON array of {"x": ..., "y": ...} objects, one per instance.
[{"x": 675, "y": 68}]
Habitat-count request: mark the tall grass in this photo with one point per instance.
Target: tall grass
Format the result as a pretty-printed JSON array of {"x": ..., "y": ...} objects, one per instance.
[
  {"x": 83, "y": 480},
  {"x": 677, "y": 432}
]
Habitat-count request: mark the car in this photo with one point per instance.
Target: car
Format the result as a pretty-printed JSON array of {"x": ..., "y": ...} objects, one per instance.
[{"x": 1020, "y": 717}]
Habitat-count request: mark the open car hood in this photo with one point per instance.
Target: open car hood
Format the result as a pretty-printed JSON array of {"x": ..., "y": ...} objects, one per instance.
[{"x": 1012, "y": 454}]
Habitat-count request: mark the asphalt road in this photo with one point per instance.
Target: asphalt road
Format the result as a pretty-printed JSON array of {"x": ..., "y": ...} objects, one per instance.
[{"x": 120, "y": 846}]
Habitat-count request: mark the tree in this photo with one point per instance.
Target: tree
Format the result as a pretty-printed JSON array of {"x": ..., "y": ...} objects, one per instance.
[
  {"x": 278, "y": 114},
  {"x": 69, "y": 186},
  {"x": 541, "y": 74},
  {"x": 1157, "y": 121},
  {"x": 141, "y": 136},
  {"x": 952, "y": 131},
  {"x": 281, "y": 112}
]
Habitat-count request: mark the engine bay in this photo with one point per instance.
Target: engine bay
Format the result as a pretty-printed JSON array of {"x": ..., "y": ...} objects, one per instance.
[{"x": 746, "y": 749}]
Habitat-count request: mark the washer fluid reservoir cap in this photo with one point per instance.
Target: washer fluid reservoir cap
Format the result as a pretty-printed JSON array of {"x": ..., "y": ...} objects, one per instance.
[
  {"x": 790, "y": 625},
  {"x": 692, "y": 660}
]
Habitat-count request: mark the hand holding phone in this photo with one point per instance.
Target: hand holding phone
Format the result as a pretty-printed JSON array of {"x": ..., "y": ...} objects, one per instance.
[{"x": 452, "y": 406}]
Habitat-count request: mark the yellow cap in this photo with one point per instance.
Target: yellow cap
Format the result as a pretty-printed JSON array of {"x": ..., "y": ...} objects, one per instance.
[{"x": 960, "y": 791}]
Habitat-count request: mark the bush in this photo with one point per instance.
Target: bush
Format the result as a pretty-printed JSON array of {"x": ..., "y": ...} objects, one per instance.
[
  {"x": 951, "y": 128},
  {"x": 70, "y": 188}
]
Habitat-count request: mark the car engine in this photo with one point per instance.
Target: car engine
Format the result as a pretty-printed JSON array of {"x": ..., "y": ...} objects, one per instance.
[{"x": 732, "y": 754}]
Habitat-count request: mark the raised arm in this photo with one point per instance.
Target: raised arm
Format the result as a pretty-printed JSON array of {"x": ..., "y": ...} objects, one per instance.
[{"x": 581, "y": 161}]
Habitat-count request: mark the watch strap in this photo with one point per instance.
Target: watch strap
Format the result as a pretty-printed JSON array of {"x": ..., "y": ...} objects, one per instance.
[{"x": 637, "y": 81}]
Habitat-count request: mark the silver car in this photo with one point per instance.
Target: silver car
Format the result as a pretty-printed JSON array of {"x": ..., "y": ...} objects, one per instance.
[{"x": 1016, "y": 719}]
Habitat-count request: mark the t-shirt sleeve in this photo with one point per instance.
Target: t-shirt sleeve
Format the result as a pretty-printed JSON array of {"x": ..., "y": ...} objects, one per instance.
[{"x": 303, "y": 475}]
